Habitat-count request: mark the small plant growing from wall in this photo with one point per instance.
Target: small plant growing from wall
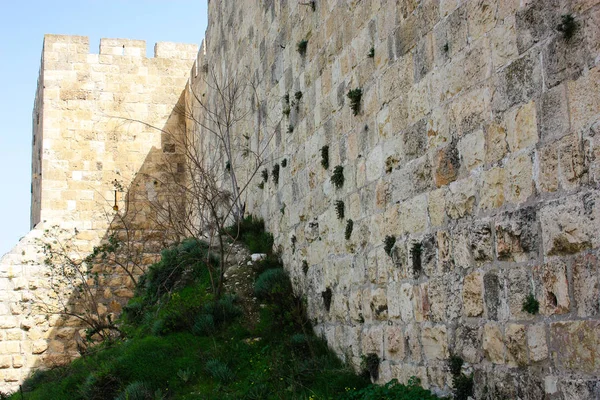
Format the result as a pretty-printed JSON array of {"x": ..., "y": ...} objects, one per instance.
[
  {"x": 227, "y": 166},
  {"x": 531, "y": 305},
  {"x": 284, "y": 163},
  {"x": 462, "y": 384},
  {"x": 567, "y": 26},
  {"x": 265, "y": 175},
  {"x": 294, "y": 240},
  {"x": 290, "y": 128},
  {"x": 327, "y": 295},
  {"x": 339, "y": 209},
  {"x": 296, "y": 101},
  {"x": 302, "y": 47},
  {"x": 282, "y": 209},
  {"x": 388, "y": 244},
  {"x": 305, "y": 267},
  {"x": 355, "y": 95},
  {"x": 371, "y": 53},
  {"x": 261, "y": 185},
  {"x": 349, "y": 227},
  {"x": 286, "y": 105},
  {"x": 446, "y": 48},
  {"x": 338, "y": 177},
  {"x": 325, "y": 157},
  {"x": 312, "y": 4},
  {"x": 370, "y": 366},
  {"x": 275, "y": 173},
  {"x": 415, "y": 254}
]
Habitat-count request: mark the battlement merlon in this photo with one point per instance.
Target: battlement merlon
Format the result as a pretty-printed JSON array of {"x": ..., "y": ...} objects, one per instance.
[{"x": 118, "y": 47}]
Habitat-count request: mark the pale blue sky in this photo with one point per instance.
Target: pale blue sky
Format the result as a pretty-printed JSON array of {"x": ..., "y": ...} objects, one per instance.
[{"x": 22, "y": 28}]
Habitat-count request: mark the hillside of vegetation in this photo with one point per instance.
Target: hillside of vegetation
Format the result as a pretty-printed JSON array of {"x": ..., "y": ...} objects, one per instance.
[{"x": 180, "y": 340}]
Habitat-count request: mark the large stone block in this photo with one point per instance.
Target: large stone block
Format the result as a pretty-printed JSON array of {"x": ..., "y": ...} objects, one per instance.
[
  {"x": 586, "y": 285},
  {"x": 576, "y": 345},
  {"x": 517, "y": 235}
]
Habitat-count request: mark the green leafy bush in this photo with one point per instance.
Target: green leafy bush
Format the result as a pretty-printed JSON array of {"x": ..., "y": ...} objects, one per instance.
[
  {"x": 355, "y": 95},
  {"x": 337, "y": 179},
  {"x": 531, "y": 305},
  {"x": 391, "y": 391}
]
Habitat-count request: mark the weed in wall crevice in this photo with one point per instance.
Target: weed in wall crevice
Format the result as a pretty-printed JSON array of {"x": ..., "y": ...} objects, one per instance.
[
  {"x": 355, "y": 96},
  {"x": 265, "y": 175},
  {"x": 349, "y": 228},
  {"x": 286, "y": 105},
  {"x": 284, "y": 163},
  {"x": 337, "y": 179},
  {"x": 302, "y": 47},
  {"x": 370, "y": 366},
  {"x": 416, "y": 252},
  {"x": 305, "y": 267},
  {"x": 388, "y": 244},
  {"x": 325, "y": 157},
  {"x": 327, "y": 296},
  {"x": 293, "y": 240},
  {"x": 531, "y": 305},
  {"x": 275, "y": 174},
  {"x": 339, "y": 209},
  {"x": 568, "y": 26},
  {"x": 462, "y": 384},
  {"x": 290, "y": 128},
  {"x": 371, "y": 53}
]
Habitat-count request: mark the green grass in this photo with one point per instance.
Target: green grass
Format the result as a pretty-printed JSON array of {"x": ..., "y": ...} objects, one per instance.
[{"x": 182, "y": 343}]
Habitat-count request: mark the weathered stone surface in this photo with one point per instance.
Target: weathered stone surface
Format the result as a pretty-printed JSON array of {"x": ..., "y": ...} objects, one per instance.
[
  {"x": 492, "y": 287},
  {"x": 497, "y": 146},
  {"x": 553, "y": 288},
  {"x": 394, "y": 343},
  {"x": 516, "y": 235},
  {"x": 473, "y": 295},
  {"x": 586, "y": 285},
  {"x": 447, "y": 164},
  {"x": 435, "y": 342},
  {"x": 568, "y": 226},
  {"x": 461, "y": 198},
  {"x": 492, "y": 189},
  {"x": 468, "y": 343},
  {"x": 536, "y": 342},
  {"x": 552, "y": 112},
  {"x": 516, "y": 344},
  {"x": 493, "y": 344},
  {"x": 576, "y": 345}
]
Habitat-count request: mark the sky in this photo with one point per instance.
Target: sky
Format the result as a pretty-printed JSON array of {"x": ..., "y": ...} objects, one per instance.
[{"x": 22, "y": 28}]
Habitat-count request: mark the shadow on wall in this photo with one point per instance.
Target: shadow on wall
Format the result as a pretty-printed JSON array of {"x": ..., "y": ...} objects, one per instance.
[{"x": 139, "y": 228}]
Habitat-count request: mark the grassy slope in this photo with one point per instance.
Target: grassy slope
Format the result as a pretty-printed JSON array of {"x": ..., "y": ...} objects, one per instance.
[{"x": 183, "y": 345}]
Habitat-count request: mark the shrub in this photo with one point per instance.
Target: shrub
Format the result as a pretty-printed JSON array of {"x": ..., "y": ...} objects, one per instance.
[
  {"x": 355, "y": 95},
  {"x": 137, "y": 391},
  {"x": 219, "y": 371},
  {"x": 391, "y": 391},
  {"x": 251, "y": 232},
  {"x": 338, "y": 177},
  {"x": 271, "y": 284}
]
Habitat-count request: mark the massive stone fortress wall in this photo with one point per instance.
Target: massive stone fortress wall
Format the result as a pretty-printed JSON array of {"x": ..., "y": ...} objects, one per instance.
[
  {"x": 476, "y": 147},
  {"x": 97, "y": 118}
]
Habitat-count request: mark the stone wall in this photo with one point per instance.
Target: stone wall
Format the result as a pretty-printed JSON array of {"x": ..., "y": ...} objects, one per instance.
[
  {"x": 97, "y": 118},
  {"x": 475, "y": 147}
]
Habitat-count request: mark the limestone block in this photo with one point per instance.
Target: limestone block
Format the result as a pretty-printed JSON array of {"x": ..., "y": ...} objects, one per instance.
[
  {"x": 437, "y": 299},
  {"x": 473, "y": 295},
  {"x": 447, "y": 165},
  {"x": 516, "y": 235},
  {"x": 575, "y": 345},
  {"x": 572, "y": 162},
  {"x": 413, "y": 215},
  {"x": 461, "y": 198},
  {"x": 516, "y": 345},
  {"x": 553, "y": 114},
  {"x": 519, "y": 178},
  {"x": 522, "y": 131},
  {"x": 568, "y": 225},
  {"x": 518, "y": 82},
  {"x": 372, "y": 340},
  {"x": 413, "y": 336},
  {"x": 378, "y": 304},
  {"x": 586, "y": 285},
  {"x": 535, "y": 22},
  {"x": 435, "y": 342},
  {"x": 468, "y": 342},
  {"x": 503, "y": 38},
  {"x": 553, "y": 287},
  {"x": 536, "y": 342},
  {"x": 436, "y": 207},
  {"x": 547, "y": 179},
  {"x": 482, "y": 17},
  {"x": 519, "y": 287},
  {"x": 494, "y": 289},
  {"x": 584, "y": 99},
  {"x": 18, "y": 361},
  {"x": 493, "y": 345},
  {"x": 472, "y": 150},
  {"x": 394, "y": 343}
]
